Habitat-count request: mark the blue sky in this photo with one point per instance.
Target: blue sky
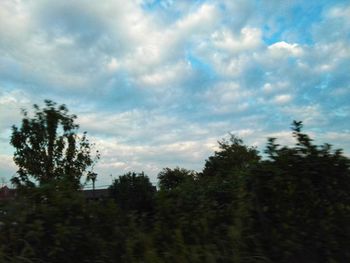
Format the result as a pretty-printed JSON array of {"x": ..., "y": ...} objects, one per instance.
[{"x": 157, "y": 83}]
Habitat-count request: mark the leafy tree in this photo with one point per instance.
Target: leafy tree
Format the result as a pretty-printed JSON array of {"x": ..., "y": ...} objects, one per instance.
[
  {"x": 226, "y": 172},
  {"x": 48, "y": 148},
  {"x": 172, "y": 178},
  {"x": 133, "y": 191},
  {"x": 291, "y": 206},
  {"x": 301, "y": 202},
  {"x": 232, "y": 156}
]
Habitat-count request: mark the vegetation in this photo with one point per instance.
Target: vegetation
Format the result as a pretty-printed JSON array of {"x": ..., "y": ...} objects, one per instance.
[
  {"x": 290, "y": 205},
  {"x": 48, "y": 148}
]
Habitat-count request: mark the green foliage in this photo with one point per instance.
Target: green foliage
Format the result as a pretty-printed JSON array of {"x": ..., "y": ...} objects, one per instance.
[
  {"x": 133, "y": 191},
  {"x": 48, "y": 148},
  {"x": 301, "y": 198},
  {"x": 291, "y": 205},
  {"x": 171, "y": 178},
  {"x": 233, "y": 156}
]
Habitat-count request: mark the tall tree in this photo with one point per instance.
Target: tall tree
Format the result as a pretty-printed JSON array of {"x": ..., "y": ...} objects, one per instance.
[
  {"x": 49, "y": 149},
  {"x": 231, "y": 157},
  {"x": 171, "y": 178},
  {"x": 301, "y": 201},
  {"x": 133, "y": 191}
]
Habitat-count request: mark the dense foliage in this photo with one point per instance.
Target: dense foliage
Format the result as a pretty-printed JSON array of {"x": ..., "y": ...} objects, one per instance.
[
  {"x": 48, "y": 148},
  {"x": 133, "y": 192},
  {"x": 290, "y": 205}
]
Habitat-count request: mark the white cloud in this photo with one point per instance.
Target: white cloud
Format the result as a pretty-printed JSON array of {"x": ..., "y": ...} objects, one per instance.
[
  {"x": 275, "y": 87},
  {"x": 311, "y": 115},
  {"x": 175, "y": 77},
  {"x": 283, "y": 137},
  {"x": 120, "y": 157},
  {"x": 230, "y": 66},
  {"x": 165, "y": 76},
  {"x": 113, "y": 65},
  {"x": 282, "y": 99},
  {"x": 11, "y": 103},
  {"x": 226, "y": 97},
  {"x": 249, "y": 39},
  {"x": 199, "y": 21},
  {"x": 165, "y": 45},
  {"x": 282, "y": 49},
  {"x": 340, "y": 12},
  {"x": 8, "y": 167}
]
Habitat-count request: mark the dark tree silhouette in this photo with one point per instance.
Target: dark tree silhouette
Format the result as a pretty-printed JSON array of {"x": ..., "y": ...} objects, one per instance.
[
  {"x": 171, "y": 178},
  {"x": 290, "y": 205},
  {"x": 232, "y": 156},
  {"x": 48, "y": 148},
  {"x": 133, "y": 191}
]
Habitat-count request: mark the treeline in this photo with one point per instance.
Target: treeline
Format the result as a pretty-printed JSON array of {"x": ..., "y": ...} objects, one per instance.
[{"x": 291, "y": 204}]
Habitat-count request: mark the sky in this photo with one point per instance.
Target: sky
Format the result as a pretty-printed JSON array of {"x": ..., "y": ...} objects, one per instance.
[{"x": 157, "y": 83}]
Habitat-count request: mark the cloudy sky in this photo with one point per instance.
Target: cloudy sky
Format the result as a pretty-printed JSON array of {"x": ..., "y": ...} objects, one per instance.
[{"x": 156, "y": 83}]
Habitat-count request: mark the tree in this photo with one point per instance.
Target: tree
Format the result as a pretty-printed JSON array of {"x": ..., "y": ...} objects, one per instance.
[
  {"x": 226, "y": 172},
  {"x": 301, "y": 201},
  {"x": 232, "y": 156},
  {"x": 49, "y": 149},
  {"x": 171, "y": 178},
  {"x": 133, "y": 191}
]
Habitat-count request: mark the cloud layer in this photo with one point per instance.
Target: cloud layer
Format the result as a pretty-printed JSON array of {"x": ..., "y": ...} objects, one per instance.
[{"x": 156, "y": 83}]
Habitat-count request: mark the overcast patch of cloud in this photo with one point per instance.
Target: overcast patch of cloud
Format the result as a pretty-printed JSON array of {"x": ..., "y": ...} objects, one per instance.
[{"x": 156, "y": 83}]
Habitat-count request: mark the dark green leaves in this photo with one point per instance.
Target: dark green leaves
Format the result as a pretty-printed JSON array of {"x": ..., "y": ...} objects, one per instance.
[{"x": 48, "y": 147}]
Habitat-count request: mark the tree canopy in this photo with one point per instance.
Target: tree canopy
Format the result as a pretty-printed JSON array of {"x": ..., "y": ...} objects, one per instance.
[
  {"x": 172, "y": 178},
  {"x": 133, "y": 191},
  {"x": 291, "y": 204},
  {"x": 48, "y": 147}
]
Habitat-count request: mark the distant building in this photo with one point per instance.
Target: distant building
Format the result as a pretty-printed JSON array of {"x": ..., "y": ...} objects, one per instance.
[
  {"x": 96, "y": 194},
  {"x": 7, "y": 193}
]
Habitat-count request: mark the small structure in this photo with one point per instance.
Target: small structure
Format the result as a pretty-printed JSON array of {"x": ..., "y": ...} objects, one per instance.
[
  {"x": 96, "y": 194},
  {"x": 7, "y": 193}
]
